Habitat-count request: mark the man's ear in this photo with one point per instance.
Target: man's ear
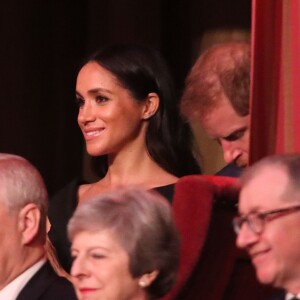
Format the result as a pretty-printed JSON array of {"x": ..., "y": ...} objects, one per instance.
[
  {"x": 146, "y": 279},
  {"x": 29, "y": 223},
  {"x": 151, "y": 106}
]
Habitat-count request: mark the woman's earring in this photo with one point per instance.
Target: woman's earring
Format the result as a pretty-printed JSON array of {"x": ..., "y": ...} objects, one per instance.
[{"x": 142, "y": 284}]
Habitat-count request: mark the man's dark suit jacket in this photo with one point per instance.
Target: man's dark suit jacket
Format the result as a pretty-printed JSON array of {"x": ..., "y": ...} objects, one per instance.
[
  {"x": 278, "y": 296},
  {"x": 47, "y": 285},
  {"x": 230, "y": 170}
]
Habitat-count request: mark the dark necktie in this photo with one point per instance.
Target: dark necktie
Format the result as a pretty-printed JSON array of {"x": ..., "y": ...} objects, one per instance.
[{"x": 294, "y": 298}]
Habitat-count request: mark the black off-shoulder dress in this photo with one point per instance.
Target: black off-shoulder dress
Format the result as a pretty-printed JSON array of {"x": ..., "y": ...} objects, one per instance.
[{"x": 61, "y": 208}]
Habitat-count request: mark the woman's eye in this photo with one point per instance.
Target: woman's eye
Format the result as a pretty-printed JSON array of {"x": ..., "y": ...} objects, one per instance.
[
  {"x": 97, "y": 256},
  {"x": 101, "y": 99},
  {"x": 79, "y": 102},
  {"x": 73, "y": 256}
]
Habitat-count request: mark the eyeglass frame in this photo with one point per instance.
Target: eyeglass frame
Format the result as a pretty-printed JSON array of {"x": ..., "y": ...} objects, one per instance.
[{"x": 238, "y": 221}]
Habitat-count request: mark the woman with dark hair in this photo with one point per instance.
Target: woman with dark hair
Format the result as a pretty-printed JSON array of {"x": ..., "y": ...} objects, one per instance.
[
  {"x": 125, "y": 246},
  {"x": 127, "y": 113},
  {"x": 129, "y": 117}
]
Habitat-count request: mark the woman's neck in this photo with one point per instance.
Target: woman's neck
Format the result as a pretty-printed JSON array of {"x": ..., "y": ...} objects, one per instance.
[
  {"x": 133, "y": 165},
  {"x": 134, "y": 168}
]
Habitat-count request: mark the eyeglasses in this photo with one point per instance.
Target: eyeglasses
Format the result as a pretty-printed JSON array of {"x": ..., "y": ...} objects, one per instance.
[{"x": 257, "y": 220}]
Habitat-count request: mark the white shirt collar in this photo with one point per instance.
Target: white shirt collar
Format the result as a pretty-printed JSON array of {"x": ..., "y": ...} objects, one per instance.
[
  {"x": 12, "y": 290},
  {"x": 289, "y": 296}
]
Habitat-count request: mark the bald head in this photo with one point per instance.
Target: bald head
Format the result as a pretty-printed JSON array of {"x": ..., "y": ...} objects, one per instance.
[{"x": 21, "y": 184}]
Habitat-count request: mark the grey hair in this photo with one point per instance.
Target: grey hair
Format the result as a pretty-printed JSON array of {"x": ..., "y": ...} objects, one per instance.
[
  {"x": 21, "y": 184},
  {"x": 290, "y": 163},
  {"x": 142, "y": 223}
]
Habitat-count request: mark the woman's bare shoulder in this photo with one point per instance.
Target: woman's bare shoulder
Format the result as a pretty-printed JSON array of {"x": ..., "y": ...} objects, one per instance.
[{"x": 87, "y": 191}]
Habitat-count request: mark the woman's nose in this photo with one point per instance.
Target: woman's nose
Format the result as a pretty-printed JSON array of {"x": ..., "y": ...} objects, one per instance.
[
  {"x": 79, "y": 268},
  {"x": 86, "y": 113}
]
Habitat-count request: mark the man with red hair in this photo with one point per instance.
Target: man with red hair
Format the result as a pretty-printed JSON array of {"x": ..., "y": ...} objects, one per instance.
[{"x": 216, "y": 95}]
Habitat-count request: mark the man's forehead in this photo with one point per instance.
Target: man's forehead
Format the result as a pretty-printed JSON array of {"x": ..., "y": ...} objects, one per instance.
[
  {"x": 223, "y": 120},
  {"x": 265, "y": 188},
  {"x": 224, "y": 130}
]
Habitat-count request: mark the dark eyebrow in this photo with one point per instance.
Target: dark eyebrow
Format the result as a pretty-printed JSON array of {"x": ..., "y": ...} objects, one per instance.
[{"x": 95, "y": 91}]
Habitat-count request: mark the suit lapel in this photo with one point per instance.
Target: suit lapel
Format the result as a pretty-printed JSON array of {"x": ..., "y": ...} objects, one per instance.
[{"x": 38, "y": 283}]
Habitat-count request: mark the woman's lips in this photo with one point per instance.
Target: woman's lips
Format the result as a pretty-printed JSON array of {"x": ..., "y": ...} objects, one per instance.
[
  {"x": 91, "y": 134},
  {"x": 86, "y": 290}
]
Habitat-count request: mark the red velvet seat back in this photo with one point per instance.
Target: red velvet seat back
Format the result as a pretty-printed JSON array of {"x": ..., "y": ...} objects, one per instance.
[{"x": 211, "y": 266}]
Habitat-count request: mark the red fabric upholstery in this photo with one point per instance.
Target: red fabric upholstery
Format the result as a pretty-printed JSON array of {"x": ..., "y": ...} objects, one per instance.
[
  {"x": 192, "y": 205},
  {"x": 211, "y": 267}
]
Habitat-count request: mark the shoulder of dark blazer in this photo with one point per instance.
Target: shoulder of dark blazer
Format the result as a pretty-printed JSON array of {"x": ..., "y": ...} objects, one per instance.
[{"x": 47, "y": 285}]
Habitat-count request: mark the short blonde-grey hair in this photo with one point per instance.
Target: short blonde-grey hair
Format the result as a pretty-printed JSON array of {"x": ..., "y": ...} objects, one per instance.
[{"x": 142, "y": 223}]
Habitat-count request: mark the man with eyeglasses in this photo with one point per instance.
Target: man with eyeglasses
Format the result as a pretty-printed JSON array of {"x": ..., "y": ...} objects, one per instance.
[{"x": 268, "y": 225}]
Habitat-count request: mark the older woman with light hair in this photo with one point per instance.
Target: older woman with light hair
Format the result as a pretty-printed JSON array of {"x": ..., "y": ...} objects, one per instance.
[{"x": 125, "y": 246}]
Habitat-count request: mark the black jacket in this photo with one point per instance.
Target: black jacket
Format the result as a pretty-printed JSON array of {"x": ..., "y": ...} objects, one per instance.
[{"x": 47, "y": 285}]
